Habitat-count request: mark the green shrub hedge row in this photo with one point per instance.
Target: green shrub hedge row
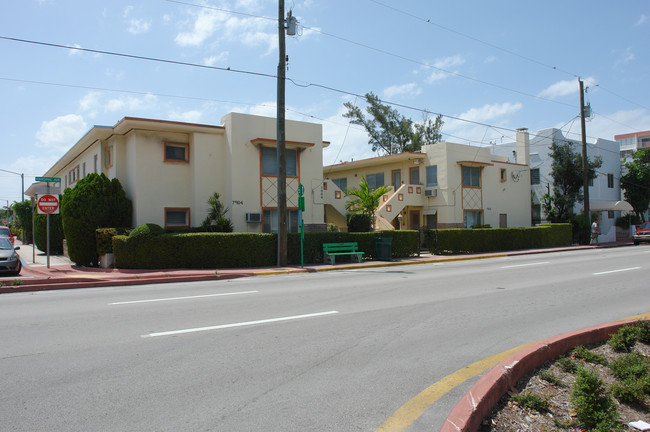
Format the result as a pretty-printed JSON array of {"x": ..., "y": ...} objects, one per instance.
[
  {"x": 454, "y": 241},
  {"x": 240, "y": 250}
]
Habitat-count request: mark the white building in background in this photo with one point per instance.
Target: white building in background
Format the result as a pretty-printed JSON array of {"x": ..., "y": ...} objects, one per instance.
[
  {"x": 632, "y": 142},
  {"x": 170, "y": 169},
  {"x": 604, "y": 190}
]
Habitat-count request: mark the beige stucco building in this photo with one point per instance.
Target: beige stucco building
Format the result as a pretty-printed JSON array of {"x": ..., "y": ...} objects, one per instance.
[
  {"x": 170, "y": 169},
  {"x": 445, "y": 185}
]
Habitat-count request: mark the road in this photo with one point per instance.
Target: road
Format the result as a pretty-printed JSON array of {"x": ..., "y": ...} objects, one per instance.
[{"x": 332, "y": 351}]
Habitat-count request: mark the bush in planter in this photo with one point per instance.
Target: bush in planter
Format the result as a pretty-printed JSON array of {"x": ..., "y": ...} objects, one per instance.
[
  {"x": 146, "y": 230},
  {"x": 105, "y": 239}
]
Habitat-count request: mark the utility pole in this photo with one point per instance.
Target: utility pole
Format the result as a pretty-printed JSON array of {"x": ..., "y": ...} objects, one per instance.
[
  {"x": 281, "y": 143},
  {"x": 585, "y": 161}
]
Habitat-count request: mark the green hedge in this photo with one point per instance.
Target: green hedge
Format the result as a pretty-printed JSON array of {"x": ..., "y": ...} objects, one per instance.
[
  {"x": 453, "y": 241},
  {"x": 240, "y": 250}
]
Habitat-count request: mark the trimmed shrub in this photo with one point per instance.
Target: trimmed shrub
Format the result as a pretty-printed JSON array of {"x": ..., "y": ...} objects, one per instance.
[
  {"x": 241, "y": 250},
  {"x": 146, "y": 230},
  {"x": 95, "y": 202},
  {"x": 359, "y": 222},
  {"x": 24, "y": 216},
  {"x": 56, "y": 233},
  {"x": 105, "y": 238},
  {"x": 460, "y": 240}
]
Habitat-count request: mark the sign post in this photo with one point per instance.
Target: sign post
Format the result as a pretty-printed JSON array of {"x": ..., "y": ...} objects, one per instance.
[
  {"x": 48, "y": 204},
  {"x": 301, "y": 208}
]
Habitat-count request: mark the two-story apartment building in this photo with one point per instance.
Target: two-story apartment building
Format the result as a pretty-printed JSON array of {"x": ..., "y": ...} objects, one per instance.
[
  {"x": 445, "y": 185},
  {"x": 170, "y": 169}
]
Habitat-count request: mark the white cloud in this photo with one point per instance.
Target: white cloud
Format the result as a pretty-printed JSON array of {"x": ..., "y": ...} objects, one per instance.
[
  {"x": 642, "y": 20},
  {"x": 626, "y": 57},
  {"x": 490, "y": 114},
  {"x": 249, "y": 31},
  {"x": 138, "y": 26},
  {"x": 410, "y": 89},
  {"x": 213, "y": 60},
  {"x": 128, "y": 10},
  {"x": 192, "y": 116},
  {"x": 617, "y": 123},
  {"x": 74, "y": 51},
  {"x": 130, "y": 103},
  {"x": 442, "y": 67},
  {"x": 565, "y": 88},
  {"x": 61, "y": 133},
  {"x": 204, "y": 25}
]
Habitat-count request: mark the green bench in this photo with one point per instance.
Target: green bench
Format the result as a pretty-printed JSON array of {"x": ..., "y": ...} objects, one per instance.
[{"x": 332, "y": 250}]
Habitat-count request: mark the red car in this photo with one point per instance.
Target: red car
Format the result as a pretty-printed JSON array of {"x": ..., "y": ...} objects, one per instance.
[
  {"x": 642, "y": 233},
  {"x": 6, "y": 232}
]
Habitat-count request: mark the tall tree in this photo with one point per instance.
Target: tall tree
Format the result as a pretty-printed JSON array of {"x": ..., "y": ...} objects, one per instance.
[
  {"x": 636, "y": 182},
  {"x": 566, "y": 172},
  {"x": 389, "y": 131},
  {"x": 365, "y": 200}
]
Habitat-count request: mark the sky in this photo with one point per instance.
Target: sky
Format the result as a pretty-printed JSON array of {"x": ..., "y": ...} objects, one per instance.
[{"x": 487, "y": 67}]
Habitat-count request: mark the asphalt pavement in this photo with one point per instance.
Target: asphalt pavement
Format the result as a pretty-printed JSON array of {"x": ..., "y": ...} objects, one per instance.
[{"x": 62, "y": 273}]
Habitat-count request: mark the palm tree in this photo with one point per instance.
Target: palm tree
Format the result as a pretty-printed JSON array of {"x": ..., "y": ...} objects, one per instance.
[{"x": 366, "y": 200}]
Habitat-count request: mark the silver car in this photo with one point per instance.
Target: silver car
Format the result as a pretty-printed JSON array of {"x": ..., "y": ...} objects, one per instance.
[{"x": 9, "y": 259}]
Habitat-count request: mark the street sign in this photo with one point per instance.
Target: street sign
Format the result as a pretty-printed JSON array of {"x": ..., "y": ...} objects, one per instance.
[
  {"x": 48, "y": 204},
  {"x": 49, "y": 179}
]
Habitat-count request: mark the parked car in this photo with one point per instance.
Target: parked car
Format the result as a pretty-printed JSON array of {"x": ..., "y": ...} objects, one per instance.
[
  {"x": 6, "y": 232},
  {"x": 9, "y": 259},
  {"x": 642, "y": 233}
]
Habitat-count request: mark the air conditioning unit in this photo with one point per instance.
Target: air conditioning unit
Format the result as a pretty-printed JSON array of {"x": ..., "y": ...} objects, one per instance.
[
  {"x": 432, "y": 192},
  {"x": 254, "y": 217}
]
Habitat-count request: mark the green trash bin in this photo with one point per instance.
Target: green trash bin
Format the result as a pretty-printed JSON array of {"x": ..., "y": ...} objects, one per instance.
[{"x": 384, "y": 248}]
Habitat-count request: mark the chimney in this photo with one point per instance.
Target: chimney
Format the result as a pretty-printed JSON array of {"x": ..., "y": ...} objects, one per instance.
[{"x": 523, "y": 147}]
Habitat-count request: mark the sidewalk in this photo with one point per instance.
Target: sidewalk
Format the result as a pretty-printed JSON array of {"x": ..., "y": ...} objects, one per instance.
[{"x": 63, "y": 274}]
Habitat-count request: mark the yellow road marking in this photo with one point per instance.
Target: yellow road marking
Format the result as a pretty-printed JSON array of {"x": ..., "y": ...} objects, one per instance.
[{"x": 408, "y": 413}]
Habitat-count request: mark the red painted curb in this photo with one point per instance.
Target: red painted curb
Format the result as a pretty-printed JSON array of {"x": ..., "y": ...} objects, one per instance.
[{"x": 479, "y": 401}]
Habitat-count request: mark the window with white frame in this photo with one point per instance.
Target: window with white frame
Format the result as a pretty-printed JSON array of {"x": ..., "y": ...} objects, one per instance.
[
  {"x": 177, "y": 217},
  {"x": 534, "y": 176}
]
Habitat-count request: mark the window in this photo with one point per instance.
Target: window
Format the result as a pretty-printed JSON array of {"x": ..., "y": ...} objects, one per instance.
[
  {"x": 610, "y": 181},
  {"x": 270, "y": 221},
  {"x": 432, "y": 175},
  {"x": 83, "y": 169},
  {"x": 396, "y": 179},
  {"x": 270, "y": 161},
  {"x": 534, "y": 176},
  {"x": 74, "y": 174},
  {"x": 95, "y": 163},
  {"x": 375, "y": 180},
  {"x": 471, "y": 176},
  {"x": 414, "y": 175},
  {"x": 177, "y": 217},
  {"x": 177, "y": 152},
  {"x": 610, "y": 214},
  {"x": 503, "y": 175},
  {"x": 108, "y": 156},
  {"x": 342, "y": 183},
  {"x": 473, "y": 218},
  {"x": 591, "y": 182}
]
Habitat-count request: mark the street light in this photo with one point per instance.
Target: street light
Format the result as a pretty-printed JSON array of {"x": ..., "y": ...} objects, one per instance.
[{"x": 22, "y": 177}]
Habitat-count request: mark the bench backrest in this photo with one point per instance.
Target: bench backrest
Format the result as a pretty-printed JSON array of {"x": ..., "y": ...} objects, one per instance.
[{"x": 339, "y": 247}]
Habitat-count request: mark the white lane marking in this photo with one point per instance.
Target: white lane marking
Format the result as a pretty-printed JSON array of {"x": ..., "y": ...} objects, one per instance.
[
  {"x": 525, "y": 265},
  {"x": 616, "y": 271},
  {"x": 241, "y": 324},
  {"x": 182, "y": 298}
]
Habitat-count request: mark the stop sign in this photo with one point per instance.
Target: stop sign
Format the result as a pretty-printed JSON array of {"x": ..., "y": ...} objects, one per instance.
[{"x": 48, "y": 204}]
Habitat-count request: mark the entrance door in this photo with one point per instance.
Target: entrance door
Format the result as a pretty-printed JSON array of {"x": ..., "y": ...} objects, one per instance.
[
  {"x": 414, "y": 219},
  {"x": 396, "y": 176},
  {"x": 503, "y": 220}
]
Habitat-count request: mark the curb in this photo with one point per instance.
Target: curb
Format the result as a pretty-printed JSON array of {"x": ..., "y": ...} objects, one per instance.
[{"x": 479, "y": 401}]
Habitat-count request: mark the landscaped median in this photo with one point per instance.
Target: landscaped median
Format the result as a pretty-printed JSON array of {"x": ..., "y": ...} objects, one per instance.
[{"x": 484, "y": 396}]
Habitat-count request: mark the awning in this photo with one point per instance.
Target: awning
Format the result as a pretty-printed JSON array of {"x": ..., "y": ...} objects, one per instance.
[{"x": 610, "y": 206}]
